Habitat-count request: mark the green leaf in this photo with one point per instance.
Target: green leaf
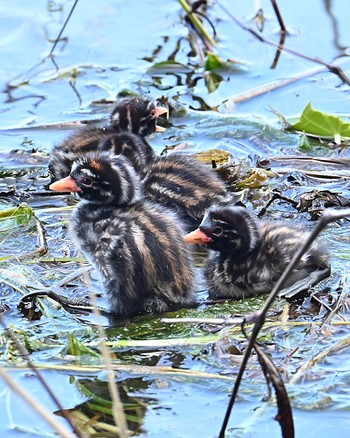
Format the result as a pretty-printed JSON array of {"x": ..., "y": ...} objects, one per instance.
[
  {"x": 14, "y": 217},
  {"x": 212, "y": 81},
  {"x": 94, "y": 397},
  {"x": 77, "y": 348},
  {"x": 323, "y": 125},
  {"x": 213, "y": 62},
  {"x": 169, "y": 67}
]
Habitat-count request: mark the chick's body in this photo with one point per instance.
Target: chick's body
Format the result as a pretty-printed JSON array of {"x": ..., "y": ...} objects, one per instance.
[
  {"x": 251, "y": 255},
  {"x": 185, "y": 185},
  {"x": 142, "y": 267},
  {"x": 135, "y": 245}
]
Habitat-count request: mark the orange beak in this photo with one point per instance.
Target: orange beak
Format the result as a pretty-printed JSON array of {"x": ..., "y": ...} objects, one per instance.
[
  {"x": 65, "y": 185},
  {"x": 160, "y": 110},
  {"x": 197, "y": 236}
]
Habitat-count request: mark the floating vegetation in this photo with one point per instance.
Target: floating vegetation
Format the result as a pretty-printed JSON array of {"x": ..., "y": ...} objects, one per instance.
[{"x": 217, "y": 73}]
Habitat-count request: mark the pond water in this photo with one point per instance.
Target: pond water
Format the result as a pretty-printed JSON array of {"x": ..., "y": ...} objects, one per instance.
[{"x": 176, "y": 377}]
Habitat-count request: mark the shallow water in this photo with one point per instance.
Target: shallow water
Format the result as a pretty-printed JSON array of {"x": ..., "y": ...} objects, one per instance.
[{"x": 110, "y": 47}]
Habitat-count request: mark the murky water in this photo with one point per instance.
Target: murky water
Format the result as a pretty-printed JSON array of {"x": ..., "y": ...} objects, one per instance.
[{"x": 110, "y": 47}]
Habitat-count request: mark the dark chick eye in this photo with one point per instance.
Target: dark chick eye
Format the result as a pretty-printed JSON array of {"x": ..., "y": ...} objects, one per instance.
[
  {"x": 153, "y": 114},
  {"x": 217, "y": 231},
  {"x": 87, "y": 182}
]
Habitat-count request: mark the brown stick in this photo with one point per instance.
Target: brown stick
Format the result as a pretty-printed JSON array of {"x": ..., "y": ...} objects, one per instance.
[
  {"x": 259, "y": 317},
  {"x": 279, "y": 16}
]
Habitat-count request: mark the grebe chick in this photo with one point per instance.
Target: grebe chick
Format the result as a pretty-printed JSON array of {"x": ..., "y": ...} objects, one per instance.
[
  {"x": 135, "y": 245},
  {"x": 134, "y": 114},
  {"x": 137, "y": 115},
  {"x": 250, "y": 255}
]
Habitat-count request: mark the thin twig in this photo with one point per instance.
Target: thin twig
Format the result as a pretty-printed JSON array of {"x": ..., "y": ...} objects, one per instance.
[
  {"x": 62, "y": 30},
  {"x": 72, "y": 276},
  {"x": 232, "y": 321},
  {"x": 43, "y": 248},
  {"x": 345, "y": 342},
  {"x": 259, "y": 317},
  {"x": 276, "y": 196},
  {"x": 272, "y": 86},
  {"x": 279, "y": 50},
  {"x": 117, "y": 411},
  {"x": 279, "y": 16},
  {"x": 196, "y": 22},
  {"x": 343, "y": 296},
  {"x": 339, "y": 161},
  {"x": 322, "y": 175},
  {"x": 38, "y": 374},
  {"x": 147, "y": 370}
]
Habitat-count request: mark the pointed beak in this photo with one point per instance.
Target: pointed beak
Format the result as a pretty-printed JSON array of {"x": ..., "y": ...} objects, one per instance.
[
  {"x": 197, "y": 236},
  {"x": 65, "y": 185},
  {"x": 160, "y": 110}
]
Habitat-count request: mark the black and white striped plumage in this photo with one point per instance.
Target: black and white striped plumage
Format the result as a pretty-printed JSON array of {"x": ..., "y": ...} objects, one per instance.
[
  {"x": 131, "y": 146},
  {"x": 251, "y": 255},
  {"x": 138, "y": 115},
  {"x": 73, "y": 148},
  {"x": 136, "y": 246},
  {"x": 135, "y": 115},
  {"x": 185, "y": 185}
]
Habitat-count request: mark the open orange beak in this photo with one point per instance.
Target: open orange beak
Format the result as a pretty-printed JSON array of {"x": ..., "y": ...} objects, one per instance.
[
  {"x": 65, "y": 185},
  {"x": 160, "y": 110},
  {"x": 197, "y": 236}
]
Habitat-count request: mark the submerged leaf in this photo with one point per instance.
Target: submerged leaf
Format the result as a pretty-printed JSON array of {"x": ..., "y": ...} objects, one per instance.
[
  {"x": 11, "y": 218},
  {"x": 14, "y": 279},
  {"x": 77, "y": 348},
  {"x": 256, "y": 178},
  {"x": 216, "y": 155},
  {"x": 169, "y": 67},
  {"x": 83, "y": 388},
  {"x": 322, "y": 125},
  {"x": 212, "y": 81},
  {"x": 99, "y": 402}
]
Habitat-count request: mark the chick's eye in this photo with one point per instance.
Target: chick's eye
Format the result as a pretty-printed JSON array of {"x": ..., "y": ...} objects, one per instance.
[
  {"x": 217, "y": 231},
  {"x": 153, "y": 113},
  {"x": 86, "y": 181}
]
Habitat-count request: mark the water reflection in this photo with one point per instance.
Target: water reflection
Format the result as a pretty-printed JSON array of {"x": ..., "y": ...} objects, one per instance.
[
  {"x": 11, "y": 89},
  {"x": 42, "y": 87},
  {"x": 328, "y": 4},
  {"x": 96, "y": 415}
]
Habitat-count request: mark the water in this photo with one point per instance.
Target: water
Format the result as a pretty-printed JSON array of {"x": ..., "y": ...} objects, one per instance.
[{"x": 110, "y": 47}]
